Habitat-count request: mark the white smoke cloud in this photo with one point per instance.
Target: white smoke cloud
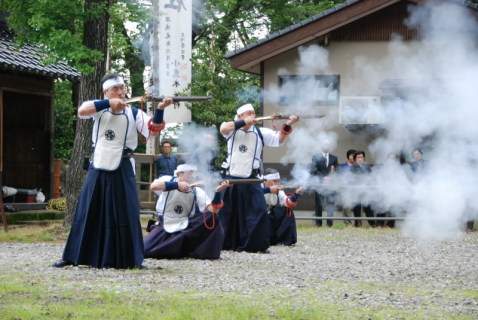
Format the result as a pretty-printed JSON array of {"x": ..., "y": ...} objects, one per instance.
[
  {"x": 199, "y": 144},
  {"x": 436, "y": 112}
]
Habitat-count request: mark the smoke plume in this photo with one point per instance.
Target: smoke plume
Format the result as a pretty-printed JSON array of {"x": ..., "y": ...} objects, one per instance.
[{"x": 435, "y": 110}]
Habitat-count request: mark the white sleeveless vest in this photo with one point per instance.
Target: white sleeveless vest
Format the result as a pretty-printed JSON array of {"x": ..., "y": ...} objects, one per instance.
[
  {"x": 272, "y": 199},
  {"x": 110, "y": 140},
  {"x": 178, "y": 207},
  {"x": 243, "y": 153}
]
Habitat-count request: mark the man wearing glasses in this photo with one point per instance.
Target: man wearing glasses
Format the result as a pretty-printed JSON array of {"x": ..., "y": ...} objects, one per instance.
[
  {"x": 166, "y": 162},
  {"x": 106, "y": 230}
]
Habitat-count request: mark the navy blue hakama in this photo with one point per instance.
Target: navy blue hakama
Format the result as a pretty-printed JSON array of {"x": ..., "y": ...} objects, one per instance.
[
  {"x": 196, "y": 241},
  {"x": 244, "y": 218},
  {"x": 106, "y": 230},
  {"x": 282, "y": 226}
]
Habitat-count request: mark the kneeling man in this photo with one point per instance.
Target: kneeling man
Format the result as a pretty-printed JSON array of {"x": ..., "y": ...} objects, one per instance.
[{"x": 187, "y": 219}]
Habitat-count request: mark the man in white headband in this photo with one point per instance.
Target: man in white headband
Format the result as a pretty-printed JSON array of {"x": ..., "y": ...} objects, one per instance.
[
  {"x": 107, "y": 214},
  {"x": 188, "y": 225},
  {"x": 283, "y": 229},
  {"x": 244, "y": 215}
]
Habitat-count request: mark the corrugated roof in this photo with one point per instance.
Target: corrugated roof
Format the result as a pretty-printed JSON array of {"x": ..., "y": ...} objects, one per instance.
[{"x": 29, "y": 59}]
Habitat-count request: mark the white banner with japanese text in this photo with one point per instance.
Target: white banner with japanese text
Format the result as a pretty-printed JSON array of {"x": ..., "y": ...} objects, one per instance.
[{"x": 174, "y": 32}]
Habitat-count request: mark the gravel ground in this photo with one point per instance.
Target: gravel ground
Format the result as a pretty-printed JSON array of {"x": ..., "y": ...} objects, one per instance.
[{"x": 368, "y": 268}]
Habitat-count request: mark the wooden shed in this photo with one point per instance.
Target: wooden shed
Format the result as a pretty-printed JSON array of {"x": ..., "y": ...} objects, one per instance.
[{"x": 27, "y": 114}]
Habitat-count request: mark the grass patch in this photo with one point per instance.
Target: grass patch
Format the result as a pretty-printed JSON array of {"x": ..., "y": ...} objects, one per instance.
[
  {"x": 307, "y": 228},
  {"x": 34, "y": 215},
  {"x": 53, "y": 232},
  {"x": 25, "y": 299},
  {"x": 338, "y": 226}
]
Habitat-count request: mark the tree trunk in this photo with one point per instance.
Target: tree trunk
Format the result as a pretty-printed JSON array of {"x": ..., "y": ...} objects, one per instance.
[{"x": 95, "y": 37}]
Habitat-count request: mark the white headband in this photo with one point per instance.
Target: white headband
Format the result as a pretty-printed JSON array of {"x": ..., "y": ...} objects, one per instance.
[
  {"x": 244, "y": 108},
  {"x": 112, "y": 82},
  {"x": 186, "y": 167},
  {"x": 272, "y": 176}
]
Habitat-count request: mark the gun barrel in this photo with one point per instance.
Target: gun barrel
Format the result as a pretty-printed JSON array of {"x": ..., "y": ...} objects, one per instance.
[
  {"x": 245, "y": 181},
  {"x": 286, "y": 116},
  {"x": 231, "y": 181},
  {"x": 190, "y": 98},
  {"x": 146, "y": 98},
  {"x": 288, "y": 186}
]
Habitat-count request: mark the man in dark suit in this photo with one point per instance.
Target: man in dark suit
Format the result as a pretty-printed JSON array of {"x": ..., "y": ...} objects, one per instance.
[{"x": 322, "y": 166}]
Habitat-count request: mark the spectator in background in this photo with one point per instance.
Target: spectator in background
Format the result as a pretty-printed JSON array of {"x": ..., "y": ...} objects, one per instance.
[
  {"x": 166, "y": 162},
  {"x": 322, "y": 166},
  {"x": 469, "y": 225},
  {"x": 345, "y": 167},
  {"x": 343, "y": 170},
  {"x": 361, "y": 170},
  {"x": 392, "y": 163},
  {"x": 419, "y": 164}
]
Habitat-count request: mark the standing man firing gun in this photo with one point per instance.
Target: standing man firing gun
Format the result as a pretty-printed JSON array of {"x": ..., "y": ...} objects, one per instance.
[
  {"x": 244, "y": 215},
  {"x": 106, "y": 230}
]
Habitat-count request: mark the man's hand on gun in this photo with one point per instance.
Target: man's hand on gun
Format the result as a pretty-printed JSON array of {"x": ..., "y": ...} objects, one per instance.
[
  {"x": 164, "y": 103},
  {"x": 292, "y": 119},
  {"x": 224, "y": 184},
  {"x": 299, "y": 190},
  {"x": 250, "y": 120},
  {"x": 183, "y": 186},
  {"x": 275, "y": 188},
  {"x": 117, "y": 105}
]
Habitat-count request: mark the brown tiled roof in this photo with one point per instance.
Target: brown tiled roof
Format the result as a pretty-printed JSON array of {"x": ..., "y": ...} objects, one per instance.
[{"x": 29, "y": 59}]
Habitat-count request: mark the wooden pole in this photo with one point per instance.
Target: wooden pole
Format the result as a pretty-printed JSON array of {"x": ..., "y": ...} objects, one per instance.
[{"x": 2, "y": 208}]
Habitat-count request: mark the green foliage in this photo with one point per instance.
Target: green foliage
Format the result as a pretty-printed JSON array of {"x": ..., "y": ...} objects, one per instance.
[
  {"x": 56, "y": 26},
  {"x": 125, "y": 54},
  {"x": 283, "y": 13},
  {"x": 65, "y": 118}
]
